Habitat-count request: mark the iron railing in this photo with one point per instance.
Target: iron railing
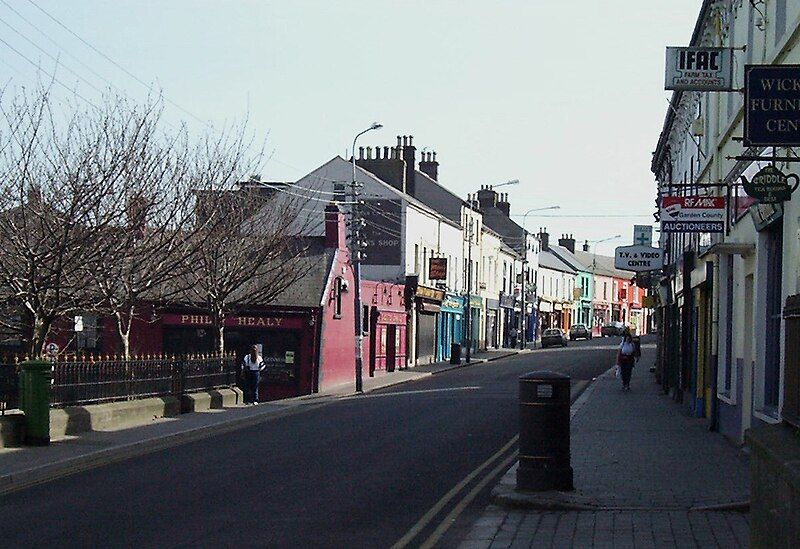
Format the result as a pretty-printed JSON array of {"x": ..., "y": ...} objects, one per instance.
[
  {"x": 96, "y": 381},
  {"x": 9, "y": 387}
]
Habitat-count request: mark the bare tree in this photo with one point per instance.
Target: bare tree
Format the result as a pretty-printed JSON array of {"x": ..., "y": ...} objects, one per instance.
[
  {"x": 251, "y": 247},
  {"x": 61, "y": 170}
]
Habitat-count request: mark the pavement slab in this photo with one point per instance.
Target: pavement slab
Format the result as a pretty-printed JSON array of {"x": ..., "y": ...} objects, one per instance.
[{"x": 647, "y": 474}]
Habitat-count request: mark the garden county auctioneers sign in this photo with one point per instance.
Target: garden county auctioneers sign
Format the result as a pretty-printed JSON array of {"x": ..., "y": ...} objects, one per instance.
[
  {"x": 772, "y": 105},
  {"x": 699, "y": 69},
  {"x": 693, "y": 214},
  {"x": 638, "y": 258}
]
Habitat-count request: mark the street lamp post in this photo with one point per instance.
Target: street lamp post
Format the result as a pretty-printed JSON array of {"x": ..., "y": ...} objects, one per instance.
[
  {"x": 524, "y": 312},
  {"x": 355, "y": 252},
  {"x": 594, "y": 258}
]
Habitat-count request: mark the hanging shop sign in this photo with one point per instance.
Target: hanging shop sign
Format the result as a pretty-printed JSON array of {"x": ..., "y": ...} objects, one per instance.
[
  {"x": 699, "y": 69},
  {"x": 770, "y": 185},
  {"x": 693, "y": 214},
  {"x": 764, "y": 215},
  {"x": 638, "y": 258},
  {"x": 772, "y": 105},
  {"x": 437, "y": 268},
  {"x": 429, "y": 293}
]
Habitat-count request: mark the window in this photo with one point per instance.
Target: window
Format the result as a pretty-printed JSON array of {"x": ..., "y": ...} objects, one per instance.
[
  {"x": 338, "y": 192},
  {"x": 605, "y": 291},
  {"x": 365, "y": 319},
  {"x": 416, "y": 258},
  {"x": 424, "y": 274},
  {"x": 337, "y": 298}
]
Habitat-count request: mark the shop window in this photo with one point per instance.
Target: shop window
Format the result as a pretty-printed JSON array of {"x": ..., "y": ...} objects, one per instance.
[{"x": 337, "y": 298}]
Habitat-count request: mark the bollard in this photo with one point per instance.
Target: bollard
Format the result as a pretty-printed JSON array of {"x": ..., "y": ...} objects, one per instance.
[
  {"x": 544, "y": 459},
  {"x": 34, "y": 398},
  {"x": 455, "y": 353}
]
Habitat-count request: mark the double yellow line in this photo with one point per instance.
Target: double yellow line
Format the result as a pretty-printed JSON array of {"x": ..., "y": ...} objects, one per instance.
[{"x": 462, "y": 504}]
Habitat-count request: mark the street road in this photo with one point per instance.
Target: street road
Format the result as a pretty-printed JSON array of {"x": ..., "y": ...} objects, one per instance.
[{"x": 368, "y": 471}]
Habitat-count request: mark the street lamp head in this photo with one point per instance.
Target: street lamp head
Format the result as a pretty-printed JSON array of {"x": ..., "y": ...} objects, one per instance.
[{"x": 376, "y": 126}]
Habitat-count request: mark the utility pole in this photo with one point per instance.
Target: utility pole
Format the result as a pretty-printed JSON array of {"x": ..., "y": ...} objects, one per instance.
[
  {"x": 469, "y": 292},
  {"x": 523, "y": 312},
  {"x": 357, "y": 223}
]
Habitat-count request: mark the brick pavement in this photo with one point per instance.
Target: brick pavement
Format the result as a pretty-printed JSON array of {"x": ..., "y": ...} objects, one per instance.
[{"x": 646, "y": 475}]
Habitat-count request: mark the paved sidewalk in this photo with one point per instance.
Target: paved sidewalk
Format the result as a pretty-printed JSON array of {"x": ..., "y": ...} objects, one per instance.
[{"x": 646, "y": 475}]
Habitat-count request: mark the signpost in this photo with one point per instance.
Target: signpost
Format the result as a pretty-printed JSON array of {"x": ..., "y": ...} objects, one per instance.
[
  {"x": 638, "y": 258},
  {"x": 693, "y": 214},
  {"x": 772, "y": 105},
  {"x": 699, "y": 69}
]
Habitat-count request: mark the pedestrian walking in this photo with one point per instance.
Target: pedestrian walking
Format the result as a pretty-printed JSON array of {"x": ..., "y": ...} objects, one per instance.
[
  {"x": 626, "y": 357},
  {"x": 252, "y": 364},
  {"x": 513, "y": 334}
]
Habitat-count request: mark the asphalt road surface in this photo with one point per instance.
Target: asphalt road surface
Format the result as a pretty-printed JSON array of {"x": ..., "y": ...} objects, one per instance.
[{"x": 410, "y": 465}]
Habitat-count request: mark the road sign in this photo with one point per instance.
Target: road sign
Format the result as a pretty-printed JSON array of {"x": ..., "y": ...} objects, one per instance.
[
  {"x": 772, "y": 105},
  {"x": 699, "y": 69},
  {"x": 693, "y": 214},
  {"x": 638, "y": 258},
  {"x": 643, "y": 235}
]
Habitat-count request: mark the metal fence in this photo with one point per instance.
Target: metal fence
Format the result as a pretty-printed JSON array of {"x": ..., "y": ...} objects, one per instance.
[
  {"x": 96, "y": 381},
  {"x": 9, "y": 387}
]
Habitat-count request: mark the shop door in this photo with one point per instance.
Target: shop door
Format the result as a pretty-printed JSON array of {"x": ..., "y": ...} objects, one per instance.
[{"x": 391, "y": 347}]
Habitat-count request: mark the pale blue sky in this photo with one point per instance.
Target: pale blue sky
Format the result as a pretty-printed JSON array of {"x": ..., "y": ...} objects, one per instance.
[{"x": 566, "y": 96}]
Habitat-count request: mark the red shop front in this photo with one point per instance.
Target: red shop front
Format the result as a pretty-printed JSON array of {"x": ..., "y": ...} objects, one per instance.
[
  {"x": 287, "y": 342},
  {"x": 385, "y": 342}
]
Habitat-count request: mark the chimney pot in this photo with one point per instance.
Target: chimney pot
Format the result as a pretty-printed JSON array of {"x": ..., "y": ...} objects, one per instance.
[
  {"x": 405, "y": 140},
  {"x": 410, "y": 140},
  {"x": 369, "y": 153},
  {"x": 399, "y": 144},
  {"x": 386, "y": 153},
  {"x": 361, "y": 153},
  {"x": 434, "y": 156}
]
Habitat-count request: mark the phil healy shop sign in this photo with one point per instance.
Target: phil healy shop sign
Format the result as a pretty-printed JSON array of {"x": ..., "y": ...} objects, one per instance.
[{"x": 699, "y": 69}]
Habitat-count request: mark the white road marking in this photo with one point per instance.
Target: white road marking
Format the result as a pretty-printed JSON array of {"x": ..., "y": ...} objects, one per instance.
[{"x": 419, "y": 392}]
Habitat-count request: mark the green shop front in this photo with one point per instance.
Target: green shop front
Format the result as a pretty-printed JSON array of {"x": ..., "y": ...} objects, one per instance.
[{"x": 450, "y": 326}]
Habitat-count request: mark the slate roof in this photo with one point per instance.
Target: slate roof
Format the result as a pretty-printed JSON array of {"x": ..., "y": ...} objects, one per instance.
[
  {"x": 549, "y": 260},
  {"x": 510, "y": 233},
  {"x": 445, "y": 202}
]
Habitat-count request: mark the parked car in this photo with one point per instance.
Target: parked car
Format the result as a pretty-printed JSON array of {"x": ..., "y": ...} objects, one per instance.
[
  {"x": 579, "y": 331},
  {"x": 554, "y": 336},
  {"x": 612, "y": 329}
]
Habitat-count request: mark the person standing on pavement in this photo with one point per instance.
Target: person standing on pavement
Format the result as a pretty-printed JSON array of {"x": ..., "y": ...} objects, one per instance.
[
  {"x": 626, "y": 357},
  {"x": 252, "y": 364}
]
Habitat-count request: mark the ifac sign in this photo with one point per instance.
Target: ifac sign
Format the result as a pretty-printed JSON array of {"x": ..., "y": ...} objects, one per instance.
[{"x": 699, "y": 69}]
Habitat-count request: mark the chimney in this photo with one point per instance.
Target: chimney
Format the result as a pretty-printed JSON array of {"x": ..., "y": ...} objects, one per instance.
[
  {"x": 334, "y": 228},
  {"x": 409, "y": 156},
  {"x": 585, "y": 245},
  {"x": 568, "y": 242},
  {"x": 429, "y": 166},
  {"x": 544, "y": 238},
  {"x": 388, "y": 167},
  {"x": 503, "y": 204},
  {"x": 487, "y": 197}
]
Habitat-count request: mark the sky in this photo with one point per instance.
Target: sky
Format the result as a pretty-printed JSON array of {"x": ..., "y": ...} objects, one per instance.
[{"x": 565, "y": 96}]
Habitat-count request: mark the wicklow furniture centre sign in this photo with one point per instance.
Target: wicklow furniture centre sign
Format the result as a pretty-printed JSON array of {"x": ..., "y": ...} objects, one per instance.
[{"x": 772, "y": 105}]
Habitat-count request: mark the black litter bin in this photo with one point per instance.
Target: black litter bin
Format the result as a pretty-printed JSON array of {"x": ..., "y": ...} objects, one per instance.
[{"x": 455, "y": 353}]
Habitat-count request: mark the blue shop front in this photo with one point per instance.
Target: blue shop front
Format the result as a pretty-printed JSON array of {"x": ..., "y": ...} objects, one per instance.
[{"x": 450, "y": 327}]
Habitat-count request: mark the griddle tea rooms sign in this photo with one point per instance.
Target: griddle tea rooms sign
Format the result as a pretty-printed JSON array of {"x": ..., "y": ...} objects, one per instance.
[{"x": 772, "y": 105}]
